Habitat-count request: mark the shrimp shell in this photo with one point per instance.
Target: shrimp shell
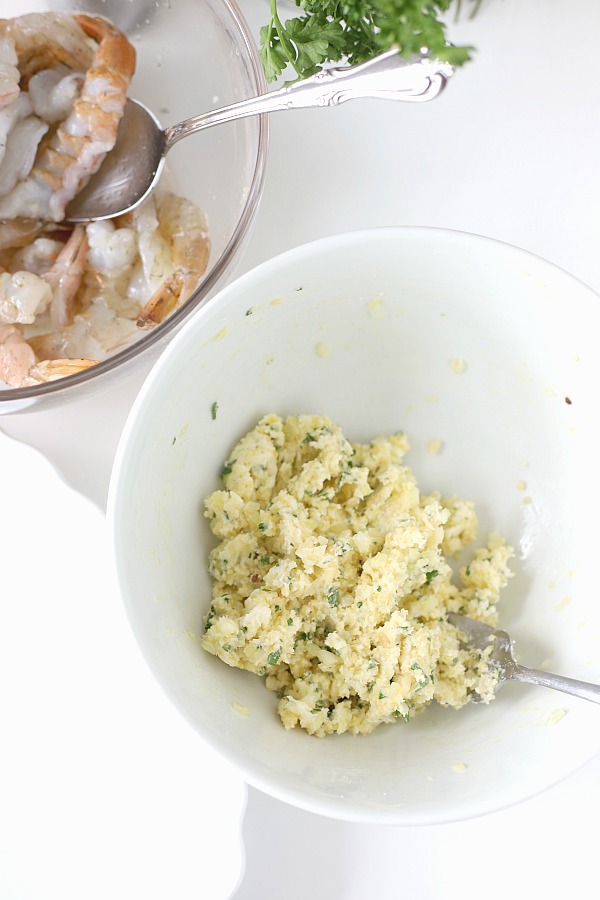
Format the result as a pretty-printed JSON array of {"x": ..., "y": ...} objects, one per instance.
[{"x": 53, "y": 369}]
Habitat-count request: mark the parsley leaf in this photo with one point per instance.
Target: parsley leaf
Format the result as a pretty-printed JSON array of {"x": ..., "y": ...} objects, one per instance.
[{"x": 327, "y": 31}]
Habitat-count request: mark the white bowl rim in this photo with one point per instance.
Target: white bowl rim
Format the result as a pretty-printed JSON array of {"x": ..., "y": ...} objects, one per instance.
[{"x": 330, "y": 808}]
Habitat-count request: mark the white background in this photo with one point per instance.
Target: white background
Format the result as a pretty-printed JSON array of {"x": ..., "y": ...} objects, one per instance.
[{"x": 510, "y": 150}]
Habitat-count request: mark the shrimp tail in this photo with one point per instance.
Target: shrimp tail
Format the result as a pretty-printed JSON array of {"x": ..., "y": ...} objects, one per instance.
[
  {"x": 162, "y": 302},
  {"x": 53, "y": 369},
  {"x": 65, "y": 276}
]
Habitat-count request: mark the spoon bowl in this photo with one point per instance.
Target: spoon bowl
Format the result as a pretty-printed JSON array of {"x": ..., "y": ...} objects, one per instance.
[
  {"x": 133, "y": 167},
  {"x": 123, "y": 180}
]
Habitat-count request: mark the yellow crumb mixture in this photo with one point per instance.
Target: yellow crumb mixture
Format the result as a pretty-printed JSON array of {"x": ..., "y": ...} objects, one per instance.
[{"x": 331, "y": 578}]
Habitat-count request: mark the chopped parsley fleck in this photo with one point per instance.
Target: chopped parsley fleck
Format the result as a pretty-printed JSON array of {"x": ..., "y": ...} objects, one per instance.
[
  {"x": 213, "y": 410},
  {"x": 424, "y": 679},
  {"x": 262, "y": 526},
  {"x": 273, "y": 658},
  {"x": 227, "y": 468},
  {"x": 333, "y": 596},
  {"x": 290, "y": 621},
  {"x": 209, "y": 619},
  {"x": 429, "y": 576}
]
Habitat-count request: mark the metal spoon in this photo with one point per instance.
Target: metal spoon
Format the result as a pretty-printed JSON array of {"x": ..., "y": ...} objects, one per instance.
[
  {"x": 132, "y": 168},
  {"x": 479, "y": 636}
]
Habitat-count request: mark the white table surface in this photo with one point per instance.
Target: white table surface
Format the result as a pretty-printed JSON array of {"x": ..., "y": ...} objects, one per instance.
[{"x": 511, "y": 151}]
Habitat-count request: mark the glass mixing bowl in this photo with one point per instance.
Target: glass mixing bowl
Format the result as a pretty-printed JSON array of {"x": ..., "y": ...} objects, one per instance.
[{"x": 192, "y": 56}]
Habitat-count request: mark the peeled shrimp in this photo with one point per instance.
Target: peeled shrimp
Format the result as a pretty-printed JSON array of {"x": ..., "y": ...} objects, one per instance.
[
  {"x": 26, "y": 295},
  {"x": 18, "y": 232},
  {"x": 23, "y": 297},
  {"x": 21, "y": 149},
  {"x": 20, "y": 368},
  {"x": 9, "y": 72},
  {"x": 37, "y": 257},
  {"x": 75, "y": 151},
  {"x": 16, "y": 356},
  {"x": 10, "y": 115},
  {"x": 184, "y": 226},
  {"x": 53, "y": 93},
  {"x": 43, "y": 40}
]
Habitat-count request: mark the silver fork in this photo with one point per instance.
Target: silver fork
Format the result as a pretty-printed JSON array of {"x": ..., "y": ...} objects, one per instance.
[{"x": 479, "y": 636}]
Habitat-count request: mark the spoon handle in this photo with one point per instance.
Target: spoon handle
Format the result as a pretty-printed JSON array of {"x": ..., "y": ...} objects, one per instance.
[
  {"x": 388, "y": 76},
  {"x": 559, "y": 682}
]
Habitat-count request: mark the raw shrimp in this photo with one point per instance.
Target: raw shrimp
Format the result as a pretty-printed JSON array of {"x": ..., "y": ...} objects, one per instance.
[
  {"x": 184, "y": 226},
  {"x": 53, "y": 93},
  {"x": 37, "y": 257},
  {"x": 23, "y": 297},
  {"x": 26, "y": 295},
  {"x": 50, "y": 99},
  {"x": 18, "y": 232},
  {"x": 20, "y": 151},
  {"x": 64, "y": 277},
  {"x": 20, "y": 368},
  {"x": 9, "y": 72},
  {"x": 72, "y": 154},
  {"x": 112, "y": 255},
  {"x": 155, "y": 250},
  {"x": 97, "y": 332},
  {"x": 42, "y": 40},
  {"x": 16, "y": 356},
  {"x": 19, "y": 109}
]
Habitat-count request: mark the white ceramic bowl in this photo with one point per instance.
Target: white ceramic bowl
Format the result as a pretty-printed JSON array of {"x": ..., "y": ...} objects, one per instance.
[
  {"x": 518, "y": 439},
  {"x": 192, "y": 56}
]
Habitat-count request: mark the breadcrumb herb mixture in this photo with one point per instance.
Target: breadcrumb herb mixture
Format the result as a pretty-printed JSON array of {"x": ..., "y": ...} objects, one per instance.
[{"x": 331, "y": 578}]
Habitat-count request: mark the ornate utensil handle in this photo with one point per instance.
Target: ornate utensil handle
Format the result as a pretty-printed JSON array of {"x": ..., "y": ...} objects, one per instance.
[{"x": 388, "y": 77}]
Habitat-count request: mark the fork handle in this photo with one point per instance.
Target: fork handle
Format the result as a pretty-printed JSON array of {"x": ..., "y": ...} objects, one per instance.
[{"x": 584, "y": 689}]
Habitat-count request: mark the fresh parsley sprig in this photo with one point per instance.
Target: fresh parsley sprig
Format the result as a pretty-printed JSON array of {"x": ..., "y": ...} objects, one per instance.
[{"x": 327, "y": 31}]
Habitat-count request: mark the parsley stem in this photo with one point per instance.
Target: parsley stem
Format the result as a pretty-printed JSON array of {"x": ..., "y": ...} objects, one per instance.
[{"x": 287, "y": 45}]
